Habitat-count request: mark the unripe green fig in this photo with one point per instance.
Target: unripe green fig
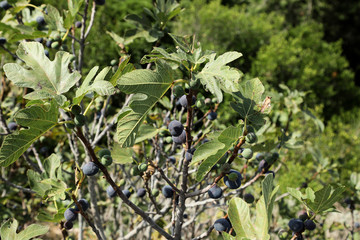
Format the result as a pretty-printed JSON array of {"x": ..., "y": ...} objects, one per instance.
[
  {"x": 113, "y": 62},
  {"x": 200, "y": 103},
  {"x": 155, "y": 192},
  {"x": 233, "y": 176},
  {"x": 251, "y": 137},
  {"x": 55, "y": 45},
  {"x": 142, "y": 167},
  {"x": 103, "y": 152},
  {"x": 106, "y": 160},
  {"x": 122, "y": 182},
  {"x": 79, "y": 120},
  {"x": 57, "y": 37},
  {"x": 247, "y": 153},
  {"x": 226, "y": 168},
  {"x": 168, "y": 139},
  {"x": 76, "y": 109},
  {"x": 178, "y": 91}
]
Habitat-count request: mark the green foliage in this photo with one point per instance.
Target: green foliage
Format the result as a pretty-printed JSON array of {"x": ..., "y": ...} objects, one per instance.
[
  {"x": 98, "y": 85},
  {"x": 49, "y": 185},
  {"x": 9, "y": 230},
  {"x": 149, "y": 87},
  {"x": 216, "y": 76},
  {"x": 248, "y": 101},
  {"x": 142, "y": 102},
  {"x": 246, "y": 28},
  {"x": 321, "y": 200},
  {"x": 302, "y": 60},
  {"x": 211, "y": 152},
  {"x": 240, "y": 218},
  {"x": 48, "y": 79},
  {"x": 39, "y": 120}
]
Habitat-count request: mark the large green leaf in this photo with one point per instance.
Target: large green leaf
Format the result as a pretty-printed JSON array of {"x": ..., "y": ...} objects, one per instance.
[
  {"x": 47, "y": 216},
  {"x": 239, "y": 214},
  {"x": 38, "y": 120},
  {"x": 249, "y": 100},
  {"x": 321, "y": 200},
  {"x": 48, "y": 79},
  {"x": 98, "y": 85},
  {"x": 148, "y": 87},
  {"x": 9, "y": 228},
  {"x": 121, "y": 155},
  {"x": 222, "y": 144},
  {"x": 261, "y": 224},
  {"x": 325, "y": 198},
  {"x": 216, "y": 76}
]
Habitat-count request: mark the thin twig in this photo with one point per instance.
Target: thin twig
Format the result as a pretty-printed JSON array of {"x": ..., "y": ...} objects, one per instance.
[
  {"x": 92, "y": 17},
  {"x": 205, "y": 234},
  {"x": 27, "y": 190}
]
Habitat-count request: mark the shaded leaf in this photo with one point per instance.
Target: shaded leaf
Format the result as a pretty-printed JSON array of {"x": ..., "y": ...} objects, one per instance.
[
  {"x": 38, "y": 120},
  {"x": 146, "y": 131},
  {"x": 148, "y": 87},
  {"x": 54, "y": 19},
  {"x": 121, "y": 155},
  {"x": 325, "y": 198},
  {"x": 248, "y": 101}
]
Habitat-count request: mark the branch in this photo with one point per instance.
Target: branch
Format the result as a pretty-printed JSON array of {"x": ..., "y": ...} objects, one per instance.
[
  {"x": 92, "y": 17},
  {"x": 205, "y": 234},
  {"x": 27, "y": 190},
  {"x": 182, "y": 196},
  {"x": 108, "y": 178},
  {"x": 84, "y": 214}
]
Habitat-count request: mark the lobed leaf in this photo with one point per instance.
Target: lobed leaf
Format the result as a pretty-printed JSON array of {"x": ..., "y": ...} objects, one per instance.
[
  {"x": 325, "y": 198},
  {"x": 48, "y": 79},
  {"x": 216, "y": 76},
  {"x": 38, "y": 120},
  {"x": 98, "y": 85},
  {"x": 8, "y": 230},
  {"x": 248, "y": 99}
]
